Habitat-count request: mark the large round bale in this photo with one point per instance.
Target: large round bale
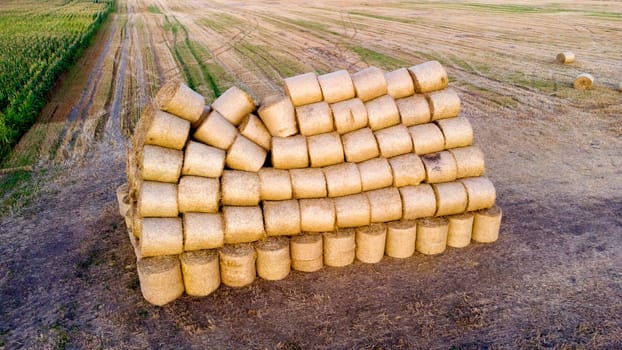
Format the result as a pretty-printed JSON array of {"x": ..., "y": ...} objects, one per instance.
[
  {"x": 245, "y": 155},
  {"x": 177, "y": 98},
  {"x": 565, "y": 57},
  {"x": 203, "y": 160},
  {"x": 253, "y": 129},
  {"x": 237, "y": 265},
  {"x": 317, "y": 215},
  {"x": 342, "y": 179},
  {"x": 394, "y": 141},
  {"x": 370, "y": 243},
  {"x": 432, "y": 235},
  {"x": 273, "y": 260},
  {"x": 314, "y": 119},
  {"x": 382, "y": 112},
  {"x": 457, "y": 132},
  {"x": 216, "y": 131},
  {"x": 161, "y": 236},
  {"x": 278, "y": 115},
  {"x": 281, "y": 217},
  {"x": 308, "y": 183},
  {"x": 325, "y": 149},
  {"x": 161, "y": 164},
  {"x": 336, "y": 86},
  {"x": 243, "y": 224},
  {"x": 429, "y": 76},
  {"x": 306, "y": 252},
  {"x": 469, "y": 161},
  {"x": 399, "y": 83},
  {"x": 480, "y": 192},
  {"x": 352, "y": 211},
  {"x": 201, "y": 272},
  {"x": 290, "y": 152},
  {"x": 459, "y": 231},
  {"x": 418, "y": 201},
  {"x": 451, "y": 198},
  {"x": 583, "y": 81},
  {"x": 234, "y": 104},
  {"x": 360, "y": 145},
  {"x": 198, "y": 194},
  {"x": 401, "y": 236},
  {"x": 427, "y": 138},
  {"x": 275, "y": 184},
  {"x": 303, "y": 89},
  {"x": 203, "y": 231},
  {"x": 408, "y": 170},
  {"x": 157, "y": 199},
  {"x": 439, "y": 167},
  {"x": 375, "y": 173},
  {"x": 386, "y": 204},
  {"x": 160, "y": 279},
  {"x": 443, "y": 104},
  {"x": 339, "y": 248},
  {"x": 369, "y": 83},
  {"x": 240, "y": 188},
  {"x": 159, "y": 128},
  {"x": 486, "y": 225},
  {"x": 349, "y": 115},
  {"x": 123, "y": 199},
  {"x": 414, "y": 110}
]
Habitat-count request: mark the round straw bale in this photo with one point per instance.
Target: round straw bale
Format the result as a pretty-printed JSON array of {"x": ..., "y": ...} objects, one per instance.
[
  {"x": 413, "y": 110},
  {"x": 240, "y": 188},
  {"x": 313, "y": 119},
  {"x": 161, "y": 164},
  {"x": 375, "y": 173},
  {"x": 216, "y": 131},
  {"x": 201, "y": 272},
  {"x": 429, "y": 76},
  {"x": 162, "y": 129},
  {"x": 386, "y": 204},
  {"x": 418, "y": 201},
  {"x": 370, "y": 243},
  {"x": 352, "y": 211},
  {"x": 325, "y": 149},
  {"x": 161, "y": 236},
  {"x": 431, "y": 235},
  {"x": 157, "y": 199},
  {"x": 303, "y": 89},
  {"x": 443, "y": 104},
  {"x": 583, "y": 81},
  {"x": 278, "y": 115},
  {"x": 336, "y": 86},
  {"x": 160, "y": 279},
  {"x": 399, "y": 83},
  {"x": 206, "y": 111},
  {"x": 317, "y": 215},
  {"x": 486, "y": 225},
  {"x": 290, "y": 152},
  {"x": 401, "y": 236},
  {"x": 408, "y": 170},
  {"x": 203, "y": 231},
  {"x": 253, "y": 129},
  {"x": 308, "y": 265},
  {"x": 460, "y": 228},
  {"x": 469, "y": 161},
  {"x": 308, "y": 183},
  {"x": 243, "y": 224},
  {"x": 281, "y": 217},
  {"x": 439, "y": 167},
  {"x": 234, "y": 104},
  {"x": 394, "y": 141},
  {"x": 480, "y": 192},
  {"x": 382, "y": 112},
  {"x": 203, "y": 160},
  {"x": 123, "y": 198},
  {"x": 306, "y": 247},
  {"x": 198, "y": 194},
  {"x": 275, "y": 184},
  {"x": 451, "y": 198},
  {"x": 177, "y": 98},
  {"x": 245, "y": 155},
  {"x": 369, "y": 83},
  {"x": 457, "y": 132},
  {"x": 360, "y": 145},
  {"x": 339, "y": 247},
  {"x": 342, "y": 179},
  {"x": 565, "y": 57},
  {"x": 427, "y": 138},
  {"x": 237, "y": 265},
  {"x": 349, "y": 115},
  {"x": 273, "y": 261}
]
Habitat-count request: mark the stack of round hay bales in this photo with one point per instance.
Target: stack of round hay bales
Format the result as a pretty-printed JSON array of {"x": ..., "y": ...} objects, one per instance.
[{"x": 340, "y": 167}]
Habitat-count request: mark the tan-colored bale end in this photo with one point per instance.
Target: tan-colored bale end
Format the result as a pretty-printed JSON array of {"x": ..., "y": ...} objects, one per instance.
[
  {"x": 439, "y": 167},
  {"x": 314, "y": 119},
  {"x": 177, "y": 98},
  {"x": 325, "y": 149},
  {"x": 306, "y": 252},
  {"x": 203, "y": 231},
  {"x": 451, "y": 198},
  {"x": 161, "y": 236},
  {"x": 339, "y": 248},
  {"x": 234, "y": 104},
  {"x": 418, "y": 201},
  {"x": 408, "y": 170},
  {"x": 308, "y": 183},
  {"x": 282, "y": 217},
  {"x": 352, "y": 211},
  {"x": 375, "y": 173},
  {"x": 469, "y": 161},
  {"x": 303, "y": 89},
  {"x": 290, "y": 152},
  {"x": 253, "y": 129},
  {"x": 279, "y": 116},
  {"x": 414, "y": 110},
  {"x": 123, "y": 199},
  {"x": 481, "y": 193},
  {"x": 216, "y": 131},
  {"x": 427, "y": 138},
  {"x": 317, "y": 215},
  {"x": 275, "y": 184},
  {"x": 240, "y": 188},
  {"x": 160, "y": 279},
  {"x": 459, "y": 231},
  {"x": 443, "y": 104},
  {"x": 201, "y": 272},
  {"x": 237, "y": 265},
  {"x": 160, "y": 128},
  {"x": 243, "y": 224},
  {"x": 157, "y": 199},
  {"x": 399, "y": 83},
  {"x": 336, "y": 86},
  {"x": 370, "y": 243},
  {"x": 386, "y": 204},
  {"x": 565, "y": 57},
  {"x": 382, "y": 112},
  {"x": 198, "y": 194},
  {"x": 457, "y": 132},
  {"x": 273, "y": 260},
  {"x": 401, "y": 237},
  {"x": 431, "y": 235},
  {"x": 429, "y": 76},
  {"x": 369, "y": 83},
  {"x": 583, "y": 81},
  {"x": 203, "y": 160},
  {"x": 486, "y": 225},
  {"x": 342, "y": 179},
  {"x": 394, "y": 141},
  {"x": 245, "y": 155},
  {"x": 360, "y": 145},
  {"x": 161, "y": 164},
  {"x": 349, "y": 115}
]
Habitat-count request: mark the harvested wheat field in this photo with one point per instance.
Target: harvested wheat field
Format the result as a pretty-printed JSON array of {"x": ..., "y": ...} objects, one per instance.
[{"x": 553, "y": 279}]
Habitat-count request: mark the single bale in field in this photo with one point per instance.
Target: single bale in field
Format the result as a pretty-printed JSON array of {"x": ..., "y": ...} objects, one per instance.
[
  {"x": 160, "y": 128},
  {"x": 278, "y": 115},
  {"x": 486, "y": 225},
  {"x": 451, "y": 198},
  {"x": 307, "y": 252},
  {"x": 565, "y": 57},
  {"x": 457, "y": 132},
  {"x": 480, "y": 192},
  {"x": 273, "y": 260},
  {"x": 394, "y": 141},
  {"x": 360, "y": 145},
  {"x": 375, "y": 173},
  {"x": 370, "y": 243},
  {"x": 469, "y": 161},
  {"x": 443, "y": 104},
  {"x": 349, "y": 115},
  {"x": 157, "y": 199},
  {"x": 203, "y": 160},
  {"x": 342, "y": 179},
  {"x": 429, "y": 76},
  {"x": 245, "y": 155},
  {"x": 400, "y": 241},
  {"x": 198, "y": 194},
  {"x": 160, "y": 279},
  {"x": 336, "y": 86},
  {"x": 161, "y": 164},
  {"x": 243, "y": 224},
  {"x": 237, "y": 265},
  {"x": 240, "y": 188},
  {"x": 317, "y": 215},
  {"x": 432, "y": 235},
  {"x": 325, "y": 149},
  {"x": 369, "y": 83},
  {"x": 177, "y": 98},
  {"x": 308, "y": 183},
  {"x": 459, "y": 231},
  {"x": 414, "y": 110},
  {"x": 253, "y": 129},
  {"x": 315, "y": 118},
  {"x": 282, "y": 217},
  {"x": 203, "y": 231},
  {"x": 399, "y": 83},
  {"x": 386, "y": 204},
  {"x": 382, "y": 112},
  {"x": 234, "y": 104},
  {"x": 418, "y": 201},
  {"x": 427, "y": 138},
  {"x": 303, "y": 89},
  {"x": 439, "y": 167},
  {"x": 339, "y": 248},
  {"x": 352, "y": 211},
  {"x": 161, "y": 236},
  {"x": 275, "y": 184},
  {"x": 216, "y": 131},
  {"x": 290, "y": 152},
  {"x": 583, "y": 81},
  {"x": 201, "y": 272},
  {"x": 408, "y": 170}
]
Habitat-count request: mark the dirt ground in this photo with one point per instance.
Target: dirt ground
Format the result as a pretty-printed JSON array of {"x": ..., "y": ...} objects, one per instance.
[{"x": 552, "y": 280}]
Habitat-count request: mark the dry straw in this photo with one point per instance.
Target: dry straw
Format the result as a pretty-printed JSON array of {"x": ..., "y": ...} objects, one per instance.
[
  {"x": 457, "y": 132},
  {"x": 313, "y": 119},
  {"x": 317, "y": 215},
  {"x": 325, "y": 149},
  {"x": 281, "y": 217},
  {"x": 203, "y": 160},
  {"x": 253, "y": 129},
  {"x": 352, "y": 211},
  {"x": 427, "y": 138},
  {"x": 243, "y": 224},
  {"x": 290, "y": 152},
  {"x": 469, "y": 161},
  {"x": 161, "y": 236},
  {"x": 418, "y": 201},
  {"x": 399, "y": 83},
  {"x": 429, "y": 76},
  {"x": 370, "y": 243},
  {"x": 198, "y": 194},
  {"x": 159, "y": 128},
  {"x": 177, "y": 98},
  {"x": 307, "y": 252},
  {"x": 369, "y": 83},
  {"x": 451, "y": 198},
  {"x": 408, "y": 170},
  {"x": 401, "y": 236},
  {"x": 386, "y": 204},
  {"x": 278, "y": 114},
  {"x": 308, "y": 183},
  {"x": 160, "y": 279},
  {"x": 245, "y": 155},
  {"x": 273, "y": 261},
  {"x": 339, "y": 248},
  {"x": 459, "y": 231},
  {"x": 336, "y": 86},
  {"x": 342, "y": 179},
  {"x": 157, "y": 199},
  {"x": 583, "y": 81},
  {"x": 486, "y": 224},
  {"x": 565, "y": 57},
  {"x": 123, "y": 199},
  {"x": 480, "y": 192},
  {"x": 206, "y": 112},
  {"x": 394, "y": 141},
  {"x": 161, "y": 164},
  {"x": 414, "y": 110},
  {"x": 237, "y": 265},
  {"x": 439, "y": 167},
  {"x": 216, "y": 131},
  {"x": 240, "y": 188},
  {"x": 375, "y": 173},
  {"x": 201, "y": 272},
  {"x": 275, "y": 184},
  {"x": 443, "y": 104},
  {"x": 432, "y": 235},
  {"x": 234, "y": 104},
  {"x": 203, "y": 231},
  {"x": 360, "y": 145},
  {"x": 349, "y": 115},
  {"x": 303, "y": 89},
  {"x": 382, "y": 112}
]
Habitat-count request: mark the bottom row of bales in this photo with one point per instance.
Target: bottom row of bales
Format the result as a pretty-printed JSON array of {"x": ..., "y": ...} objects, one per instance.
[{"x": 199, "y": 273}]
